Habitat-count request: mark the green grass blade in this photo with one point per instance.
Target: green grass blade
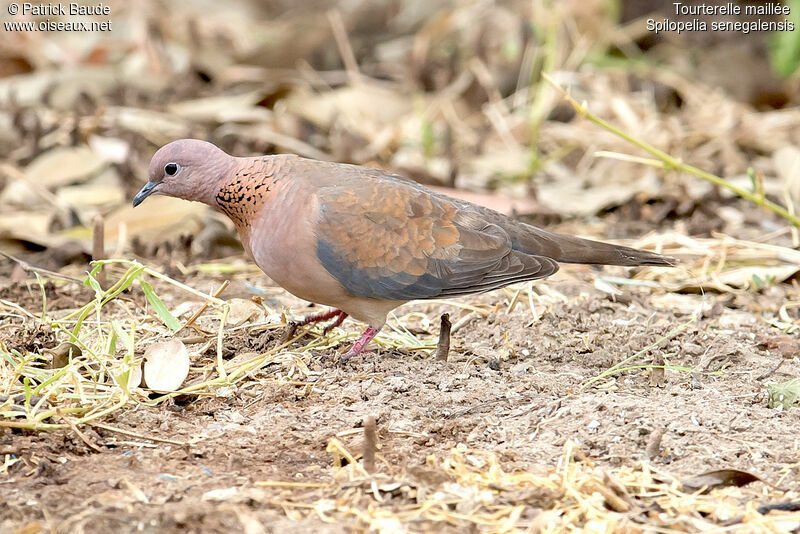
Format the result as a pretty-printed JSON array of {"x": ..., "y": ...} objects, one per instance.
[{"x": 162, "y": 311}]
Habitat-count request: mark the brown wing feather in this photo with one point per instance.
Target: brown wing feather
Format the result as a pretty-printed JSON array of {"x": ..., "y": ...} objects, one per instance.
[{"x": 384, "y": 237}]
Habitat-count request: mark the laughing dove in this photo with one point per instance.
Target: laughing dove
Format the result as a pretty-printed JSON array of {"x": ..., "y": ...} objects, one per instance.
[{"x": 364, "y": 241}]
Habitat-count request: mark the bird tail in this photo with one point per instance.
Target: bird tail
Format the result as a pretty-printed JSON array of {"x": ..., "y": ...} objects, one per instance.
[{"x": 568, "y": 249}]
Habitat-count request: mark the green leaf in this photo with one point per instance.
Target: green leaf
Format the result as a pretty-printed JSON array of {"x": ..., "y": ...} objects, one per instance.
[
  {"x": 786, "y": 394},
  {"x": 784, "y": 46},
  {"x": 26, "y": 383},
  {"x": 759, "y": 283},
  {"x": 161, "y": 310},
  {"x": 92, "y": 282},
  {"x": 96, "y": 266},
  {"x": 124, "y": 337}
]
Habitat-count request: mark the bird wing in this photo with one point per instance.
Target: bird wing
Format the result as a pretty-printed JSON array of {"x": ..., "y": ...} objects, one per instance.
[{"x": 384, "y": 237}]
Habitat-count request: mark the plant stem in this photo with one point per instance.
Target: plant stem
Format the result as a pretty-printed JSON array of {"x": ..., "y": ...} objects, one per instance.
[{"x": 673, "y": 163}]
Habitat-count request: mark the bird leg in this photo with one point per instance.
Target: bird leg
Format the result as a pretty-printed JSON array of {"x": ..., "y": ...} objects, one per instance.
[
  {"x": 360, "y": 343},
  {"x": 317, "y": 317},
  {"x": 339, "y": 320},
  {"x": 323, "y": 316}
]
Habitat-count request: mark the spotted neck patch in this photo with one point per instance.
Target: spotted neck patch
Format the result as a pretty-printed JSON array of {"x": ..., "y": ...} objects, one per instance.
[{"x": 242, "y": 197}]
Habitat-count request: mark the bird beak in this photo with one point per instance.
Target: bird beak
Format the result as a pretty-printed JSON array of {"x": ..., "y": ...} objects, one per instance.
[{"x": 148, "y": 189}]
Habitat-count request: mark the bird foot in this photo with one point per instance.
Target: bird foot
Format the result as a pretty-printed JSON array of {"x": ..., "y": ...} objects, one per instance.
[
  {"x": 339, "y": 320},
  {"x": 358, "y": 346},
  {"x": 292, "y": 326},
  {"x": 324, "y": 316}
]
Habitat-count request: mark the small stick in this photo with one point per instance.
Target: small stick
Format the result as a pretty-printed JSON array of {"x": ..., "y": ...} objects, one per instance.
[
  {"x": 80, "y": 434},
  {"x": 343, "y": 44},
  {"x": 189, "y": 340},
  {"x": 28, "y": 268},
  {"x": 443, "y": 346},
  {"x": 770, "y": 371},
  {"x": 657, "y": 373},
  {"x": 463, "y": 322},
  {"x": 199, "y": 312},
  {"x": 654, "y": 446},
  {"x": 137, "y": 435},
  {"x": 99, "y": 247},
  {"x": 370, "y": 443}
]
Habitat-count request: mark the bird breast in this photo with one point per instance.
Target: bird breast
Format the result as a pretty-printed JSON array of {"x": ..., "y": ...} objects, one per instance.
[{"x": 282, "y": 242}]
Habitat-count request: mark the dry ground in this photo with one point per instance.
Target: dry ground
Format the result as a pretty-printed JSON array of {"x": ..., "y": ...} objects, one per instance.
[
  {"x": 529, "y": 426},
  {"x": 515, "y": 384}
]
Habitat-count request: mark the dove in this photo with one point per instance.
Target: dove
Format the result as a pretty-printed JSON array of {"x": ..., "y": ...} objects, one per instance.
[{"x": 364, "y": 241}]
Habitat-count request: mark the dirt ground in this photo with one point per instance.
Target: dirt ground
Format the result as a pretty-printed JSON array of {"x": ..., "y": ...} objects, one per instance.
[
  {"x": 584, "y": 402},
  {"x": 514, "y": 384}
]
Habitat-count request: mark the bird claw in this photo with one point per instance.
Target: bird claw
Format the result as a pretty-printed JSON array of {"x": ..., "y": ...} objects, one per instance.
[
  {"x": 359, "y": 345},
  {"x": 343, "y": 359},
  {"x": 329, "y": 328},
  {"x": 289, "y": 331}
]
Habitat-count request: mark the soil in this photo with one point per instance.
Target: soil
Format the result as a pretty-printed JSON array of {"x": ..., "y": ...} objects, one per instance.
[{"x": 514, "y": 385}]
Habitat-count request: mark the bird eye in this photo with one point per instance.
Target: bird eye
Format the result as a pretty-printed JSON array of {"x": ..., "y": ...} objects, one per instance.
[{"x": 171, "y": 169}]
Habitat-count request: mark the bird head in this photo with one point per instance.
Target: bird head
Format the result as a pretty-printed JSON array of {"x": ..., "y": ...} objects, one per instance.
[{"x": 189, "y": 169}]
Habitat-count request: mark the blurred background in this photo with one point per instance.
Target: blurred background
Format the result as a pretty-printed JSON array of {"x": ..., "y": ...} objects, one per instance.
[
  {"x": 448, "y": 93},
  {"x": 550, "y": 411}
]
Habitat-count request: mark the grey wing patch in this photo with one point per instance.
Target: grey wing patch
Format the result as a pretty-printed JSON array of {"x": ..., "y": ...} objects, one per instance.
[
  {"x": 374, "y": 282},
  {"x": 516, "y": 267},
  {"x": 475, "y": 269}
]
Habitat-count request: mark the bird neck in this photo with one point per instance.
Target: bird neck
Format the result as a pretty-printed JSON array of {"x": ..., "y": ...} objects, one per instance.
[
  {"x": 205, "y": 189},
  {"x": 246, "y": 190}
]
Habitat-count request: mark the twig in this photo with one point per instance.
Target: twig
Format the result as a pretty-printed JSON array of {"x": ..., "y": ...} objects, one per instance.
[
  {"x": 462, "y": 322},
  {"x": 345, "y": 50},
  {"x": 673, "y": 163},
  {"x": 99, "y": 247},
  {"x": 443, "y": 347},
  {"x": 770, "y": 372},
  {"x": 80, "y": 434},
  {"x": 137, "y": 435},
  {"x": 27, "y": 267},
  {"x": 203, "y": 308},
  {"x": 370, "y": 443}
]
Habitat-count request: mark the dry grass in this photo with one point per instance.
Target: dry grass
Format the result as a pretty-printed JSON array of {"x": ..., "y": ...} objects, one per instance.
[
  {"x": 577, "y": 494},
  {"x": 430, "y": 114}
]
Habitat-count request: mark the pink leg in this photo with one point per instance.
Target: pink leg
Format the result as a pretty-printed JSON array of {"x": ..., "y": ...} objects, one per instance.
[{"x": 359, "y": 345}]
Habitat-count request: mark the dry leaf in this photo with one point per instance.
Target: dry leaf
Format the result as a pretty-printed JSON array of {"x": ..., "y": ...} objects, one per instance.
[
  {"x": 111, "y": 149},
  {"x": 718, "y": 479},
  {"x": 103, "y": 191},
  {"x": 175, "y": 217},
  {"x": 241, "y": 311},
  {"x": 574, "y": 198},
  {"x": 158, "y": 128},
  {"x": 166, "y": 365},
  {"x": 364, "y": 109},
  {"x": 64, "y": 165},
  {"x": 224, "y": 108},
  {"x": 135, "y": 378}
]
